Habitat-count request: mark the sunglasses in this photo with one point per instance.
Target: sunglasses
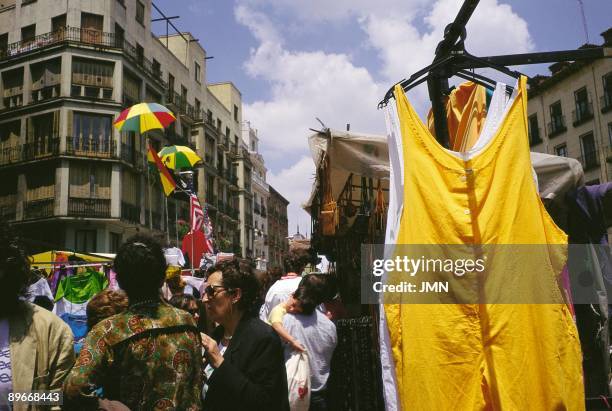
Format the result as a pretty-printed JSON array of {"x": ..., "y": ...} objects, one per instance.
[{"x": 211, "y": 290}]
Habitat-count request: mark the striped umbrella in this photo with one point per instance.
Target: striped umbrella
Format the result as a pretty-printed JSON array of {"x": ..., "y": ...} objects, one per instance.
[
  {"x": 176, "y": 157},
  {"x": 144, "y": 117}
]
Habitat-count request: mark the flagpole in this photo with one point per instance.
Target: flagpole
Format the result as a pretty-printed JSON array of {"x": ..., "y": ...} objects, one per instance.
[
  {"x": 192, "y": 234},
  {"x": 176, "y": 221}
]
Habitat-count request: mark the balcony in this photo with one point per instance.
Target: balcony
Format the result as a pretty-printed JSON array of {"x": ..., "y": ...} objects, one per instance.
[
  {"x": 222, "y": 143},
  {"x": 91, "y": 147},
  {"x": 89, "y": 207},
  {"x": 39, "y": 149},
  {"x": 256, "y": 208},
  {"x": 181, "y": 105},
  {"x": 132, "y": 157},
  {"x": 86, "y": 37},
  {"x": 130, "y": 212},
  {"x": 589, "y": 160},
  {"x": 606, "y": 101},
  {"x": 39, "y": 208},
  {"x": 556, "y": 126},
  {"x": 583, "y": 113}
]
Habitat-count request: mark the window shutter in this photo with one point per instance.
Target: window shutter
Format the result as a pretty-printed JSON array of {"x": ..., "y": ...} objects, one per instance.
[{"x": 70, "y": 119}]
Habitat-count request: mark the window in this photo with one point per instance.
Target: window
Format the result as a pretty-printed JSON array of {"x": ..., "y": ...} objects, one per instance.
[
  {"x": 156, "y": 68},
  {"x": 561, "y": 150},
  {"x": 58, "y": 23},
  {"x": 28, "y": 33},
  {"x": 209, "y": 117},
  {"x": 609, "y": 136},
  {"x": 184, "y": 93},
  {"x": 170, "y": 82},
  {"x": 140, "y": 11},
  {"x": 119, "y": 35},
  {"x": 589, "y": 151},
  {"x": 85, "y": 241},
  {"x": 92, "y": 132},
  {"x": 91, "y": 28},
  {"x": 557, "y": 122},
  {"x": 235, "y": 112},
  {"x": 139, "y": 53},
  {"x": 197, "y": 72},
  {"x": 534, "y": 130},
  {"x": 131, "y": 89},
  {"x": 584, "y": 109},
  {"x": 3, "y": 43},
  {"x": 92, "y": 72},
  {"x": 219, "y": 124},
  {"x": 606, "y": 99},
  {"x": 198, "y": 106},
  {"x": 115, "y": 241}
]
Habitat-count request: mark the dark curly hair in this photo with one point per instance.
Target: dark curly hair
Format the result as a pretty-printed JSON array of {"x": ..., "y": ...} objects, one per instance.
[
  {"x": 238, "y": 273},
  {"x": 14, "y": 270},
  {"x": 141, "y": 267},
  {"x": 105, "y": 304},
  {"x": 295, "y": 262},
  {"x": 307, "y": 298}
]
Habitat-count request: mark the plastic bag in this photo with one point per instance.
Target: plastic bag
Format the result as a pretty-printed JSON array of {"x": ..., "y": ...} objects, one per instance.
[{"x": 298, "y": 381}]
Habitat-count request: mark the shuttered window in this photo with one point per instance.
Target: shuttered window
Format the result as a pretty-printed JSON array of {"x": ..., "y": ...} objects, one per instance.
[
  {"x": 92, "y": 72},
  {"x": 130, "y": 189},
  {"x": 89, "y": 181}
]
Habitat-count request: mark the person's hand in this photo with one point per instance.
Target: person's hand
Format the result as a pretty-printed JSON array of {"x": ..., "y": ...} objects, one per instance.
[
  {"x": 297, "y": 346},
  {"x": 211, "y": 351}
]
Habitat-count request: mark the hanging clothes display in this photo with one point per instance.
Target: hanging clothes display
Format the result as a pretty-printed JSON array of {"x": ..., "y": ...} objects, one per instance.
[
  {"x": 75, "y": 291},
  {"x": 482, "y": 356}
]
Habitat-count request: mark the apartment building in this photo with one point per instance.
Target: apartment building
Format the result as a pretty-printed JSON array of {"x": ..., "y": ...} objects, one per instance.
[
  {"x": 67, "y": 68},
  {"x": 278, "y": 229},
  {"x": 261, "y": 193},
  {"x": 570, "y": 114}
]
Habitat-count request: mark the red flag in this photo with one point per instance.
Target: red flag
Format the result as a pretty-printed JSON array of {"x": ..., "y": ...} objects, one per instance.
[{"x": 194, "y": 245}]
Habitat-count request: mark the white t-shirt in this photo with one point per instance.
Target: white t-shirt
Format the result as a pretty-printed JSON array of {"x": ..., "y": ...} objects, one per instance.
[
  {"x": 318, "y": 335},
  {"x": 278, "y": 293},
  {"x": 6, "y": 375}
]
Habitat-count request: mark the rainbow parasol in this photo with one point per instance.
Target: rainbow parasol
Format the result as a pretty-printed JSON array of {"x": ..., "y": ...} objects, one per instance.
[{"x": 144, "y": 117}]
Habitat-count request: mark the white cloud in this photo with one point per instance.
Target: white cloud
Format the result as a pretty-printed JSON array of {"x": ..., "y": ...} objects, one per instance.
[
  {"x": 294, "y": 183},
  {"x": 308, "y": 84}
]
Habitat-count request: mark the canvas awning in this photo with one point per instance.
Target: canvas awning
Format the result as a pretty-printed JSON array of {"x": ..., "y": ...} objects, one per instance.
[{"x": 367, "y": 155}]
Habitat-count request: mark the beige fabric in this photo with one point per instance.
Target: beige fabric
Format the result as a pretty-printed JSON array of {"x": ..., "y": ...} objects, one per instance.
[{"x": 41, "y": 352}]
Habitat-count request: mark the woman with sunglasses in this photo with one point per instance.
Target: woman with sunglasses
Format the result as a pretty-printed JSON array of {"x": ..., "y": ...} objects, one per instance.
[{"x": 245, "y": 367}]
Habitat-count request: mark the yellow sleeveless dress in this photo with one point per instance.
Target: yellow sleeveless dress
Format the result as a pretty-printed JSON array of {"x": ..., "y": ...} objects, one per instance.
[{"x": 482, "y": 356}]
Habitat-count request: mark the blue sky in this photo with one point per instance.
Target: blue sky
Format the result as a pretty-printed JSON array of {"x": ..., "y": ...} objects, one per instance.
[{"x": 294, "y": 60}]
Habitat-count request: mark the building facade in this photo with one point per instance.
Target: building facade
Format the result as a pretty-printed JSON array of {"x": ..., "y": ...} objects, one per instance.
[
  {"x": 278, "y": 229},
  {"x": 67, "y": 69},
  {"x": 261, "y": 193},
  {"x": 570, "y": 114}
]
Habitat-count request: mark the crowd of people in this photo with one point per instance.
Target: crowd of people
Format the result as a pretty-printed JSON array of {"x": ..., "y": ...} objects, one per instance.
[{"x": 146, "y": 349}]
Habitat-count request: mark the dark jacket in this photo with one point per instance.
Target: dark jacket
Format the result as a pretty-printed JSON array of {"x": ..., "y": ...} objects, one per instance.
[{"x": 252, "y": 376}]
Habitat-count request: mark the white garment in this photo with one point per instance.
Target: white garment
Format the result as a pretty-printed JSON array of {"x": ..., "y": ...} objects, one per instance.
[
  {"x": 64, "y": 306},
  {"x": 39, "y": 288},
  {"x": 208, "y": 370},
  {"x": 174, "y": 256},
  {"x": 6, "y": 375},
  {"x": 278, "y": 293},
  {"x": 318, "y": 335}
]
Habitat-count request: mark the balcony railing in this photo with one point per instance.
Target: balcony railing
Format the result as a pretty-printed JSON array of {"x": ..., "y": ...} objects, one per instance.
[
  {"x": 583, "y": 112},
  {"x": 39, "y": 208},
  {"x": 606, "y": 101},
  {"x": 556, "y": 126},
  {"x": 131, "y": 156},
  {"x": 39, "y": 149},
  {"x": 91, "y": 147},
  {"x": 78, "y": 35},
  {"x": 89, "y": 207},
  {"x": 589, "y": 160},
  {"x": 130, "y": 212}
]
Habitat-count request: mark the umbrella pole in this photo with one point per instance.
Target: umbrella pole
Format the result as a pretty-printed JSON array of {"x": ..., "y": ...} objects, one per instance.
[
  {"x": 176, "y": 221},
  {"x": 149, "y": 186},
  {"x": 193, "y": 260},
  {"x": 167, "y": 228}
]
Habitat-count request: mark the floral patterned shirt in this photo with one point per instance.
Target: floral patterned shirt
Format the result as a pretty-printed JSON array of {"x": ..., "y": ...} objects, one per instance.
[{"x": 148, "y": 358}]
